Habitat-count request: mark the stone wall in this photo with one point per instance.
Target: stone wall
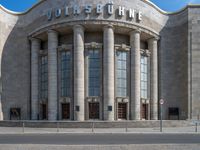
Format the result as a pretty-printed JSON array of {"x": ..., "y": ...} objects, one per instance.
[
  {"x": 194, "y": 60},
  {"x": 173, "y": 66},
  {"x": 15, "y": 65}
]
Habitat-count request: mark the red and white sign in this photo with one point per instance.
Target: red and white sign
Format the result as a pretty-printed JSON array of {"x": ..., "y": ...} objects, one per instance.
[{"x": 161, "y": 102}]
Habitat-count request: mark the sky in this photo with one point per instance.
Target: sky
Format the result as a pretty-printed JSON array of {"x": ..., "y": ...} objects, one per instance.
[{"x": 167, "y": 5}]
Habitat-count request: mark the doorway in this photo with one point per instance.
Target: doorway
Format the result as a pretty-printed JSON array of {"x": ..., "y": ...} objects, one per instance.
[
  {"x": 44, "y": 111},
  {"x": 15, "y": 114},
  {"x": 66, "y": 111},
  {"x": 122, "y": 111},
  {"x": 93, "y": 110},
  {"x": 144, "y": 111}
]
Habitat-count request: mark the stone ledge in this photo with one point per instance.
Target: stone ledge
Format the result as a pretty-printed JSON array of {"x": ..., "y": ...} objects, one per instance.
[{"x": 97, "y": 124}]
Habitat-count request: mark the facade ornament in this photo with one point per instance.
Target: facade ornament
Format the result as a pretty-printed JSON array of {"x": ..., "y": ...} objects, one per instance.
[{"x": 145, "y": 52}]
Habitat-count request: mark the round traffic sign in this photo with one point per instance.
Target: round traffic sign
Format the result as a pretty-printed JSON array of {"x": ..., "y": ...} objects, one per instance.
[{"x": 161, "y": 101}]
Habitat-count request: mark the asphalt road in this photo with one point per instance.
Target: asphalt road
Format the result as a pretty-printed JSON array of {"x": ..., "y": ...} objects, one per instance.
[{"x": 100, "y": 139}]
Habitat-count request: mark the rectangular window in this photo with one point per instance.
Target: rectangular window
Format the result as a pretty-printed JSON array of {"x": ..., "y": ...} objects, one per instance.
[
  {"x": 44, "y": 77},
  {"x": 66, "y": 74},
  {"x": 94, "y": 66},
  {"x": 144, "y": 77},
  {"x": 121, "y": 73}
]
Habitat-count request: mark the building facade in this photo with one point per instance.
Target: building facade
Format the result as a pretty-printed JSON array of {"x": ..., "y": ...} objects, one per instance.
[{"x": 99, "y": 60}]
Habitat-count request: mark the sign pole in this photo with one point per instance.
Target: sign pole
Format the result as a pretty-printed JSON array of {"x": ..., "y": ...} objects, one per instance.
[
  {"x": 161, "y": 103},
  {"x": 161, "y": 118}
]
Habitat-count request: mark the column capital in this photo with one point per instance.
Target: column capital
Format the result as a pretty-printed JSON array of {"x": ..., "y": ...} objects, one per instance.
[
  {"x": 135, "y": 31},
  {"x": 108, "y": 26},
  {"x": 78, "y": 26},
  {"x": 33, "y": 39},
  {"x": 52, "y": 31},
  {"x": 153, "y": 39}
]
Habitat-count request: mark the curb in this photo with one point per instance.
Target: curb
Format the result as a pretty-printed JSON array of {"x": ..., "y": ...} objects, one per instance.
[{"x": 164, "y": 133}]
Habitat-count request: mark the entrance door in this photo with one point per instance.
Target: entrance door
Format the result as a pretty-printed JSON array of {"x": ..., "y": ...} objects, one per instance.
[
  {"x": 15, "y": 114},
  {"x": 93, "y": 110},
  {"x": 144, "y": 111},
  {"x": 44, "y": 111},
  {"x": 66, "y": 111},
  {"x": 122, "y": 111}
]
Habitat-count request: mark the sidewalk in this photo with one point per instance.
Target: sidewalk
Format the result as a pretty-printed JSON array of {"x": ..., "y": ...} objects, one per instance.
[{"x": 175, "y": 130}]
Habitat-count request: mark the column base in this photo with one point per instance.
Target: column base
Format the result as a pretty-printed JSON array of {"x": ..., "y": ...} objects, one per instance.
[{"x": 1, "y": 116}]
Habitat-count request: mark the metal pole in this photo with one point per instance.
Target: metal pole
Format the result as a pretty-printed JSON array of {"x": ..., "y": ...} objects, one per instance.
[
  {"x": 126, "y": 126},
  {"x": 160, "y": 117},
  {"x": 196, "y": 127},
  {"x": 23, "y": 126},
  {"x": 92, "y": 126},
  {"x": 57, "y": 127}
]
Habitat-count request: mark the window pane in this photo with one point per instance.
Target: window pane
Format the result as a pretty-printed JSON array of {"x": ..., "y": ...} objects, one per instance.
[
  {"x": 43, "y": 77},
  {"x": 121, "y": 73},
  {"x": 66, "y": 74},
  {"x": 144, "y": 77},
  {"x": 94, "y": 72}
]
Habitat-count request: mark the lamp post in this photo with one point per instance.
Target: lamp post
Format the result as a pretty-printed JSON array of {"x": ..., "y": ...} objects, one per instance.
[{"x": 161, "y": 104}]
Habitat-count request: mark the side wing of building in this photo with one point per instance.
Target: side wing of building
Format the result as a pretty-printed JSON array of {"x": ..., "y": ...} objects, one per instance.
[{"x": 15, "y": 65}]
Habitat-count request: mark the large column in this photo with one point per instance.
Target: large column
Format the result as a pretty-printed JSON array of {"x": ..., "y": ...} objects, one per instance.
[
  {"x": 35, "y": 47},
  {"x": 1, "y": 111},
  {"x": 108, "y": 73},
  {"x": 79, "y": 91},
  {"x": 135, "y": 74},
  {"x": 153, "y": 47},
  {"x": 52, "y": 74}
]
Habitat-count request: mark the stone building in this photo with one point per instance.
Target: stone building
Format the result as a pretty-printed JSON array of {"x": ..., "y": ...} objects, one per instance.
[{"x": 99, "y": 59}]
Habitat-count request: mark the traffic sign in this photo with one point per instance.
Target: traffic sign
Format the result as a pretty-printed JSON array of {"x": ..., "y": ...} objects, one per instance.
[
  {"x": 161, "y": 102},
  {"x": 195, "y": 122}
]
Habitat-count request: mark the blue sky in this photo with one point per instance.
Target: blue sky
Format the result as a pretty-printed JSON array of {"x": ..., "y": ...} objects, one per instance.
[{"x": 167, "y": 5}]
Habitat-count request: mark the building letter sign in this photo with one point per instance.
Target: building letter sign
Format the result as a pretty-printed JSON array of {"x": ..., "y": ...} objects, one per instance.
[{"x": 99, "y": 10}]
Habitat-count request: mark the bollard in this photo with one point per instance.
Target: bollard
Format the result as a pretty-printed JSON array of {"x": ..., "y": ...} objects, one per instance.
[
  {"x": 57, "y": 124},
  {"x": 126, "y": 126},
  {"x": 196, "y": 127},
  {"x": 92, "y": 126},
  {"x": 23, "y": 127}
]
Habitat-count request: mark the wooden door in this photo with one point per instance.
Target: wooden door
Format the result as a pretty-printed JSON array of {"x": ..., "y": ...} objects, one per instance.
[
  {"x": 66, "y": 111},
  {"x": 93, "y": 110},
  {"x": 144, "y": 111},
  {"x": 122, "y": 111},
  {"x": 44, "y": 111}
]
